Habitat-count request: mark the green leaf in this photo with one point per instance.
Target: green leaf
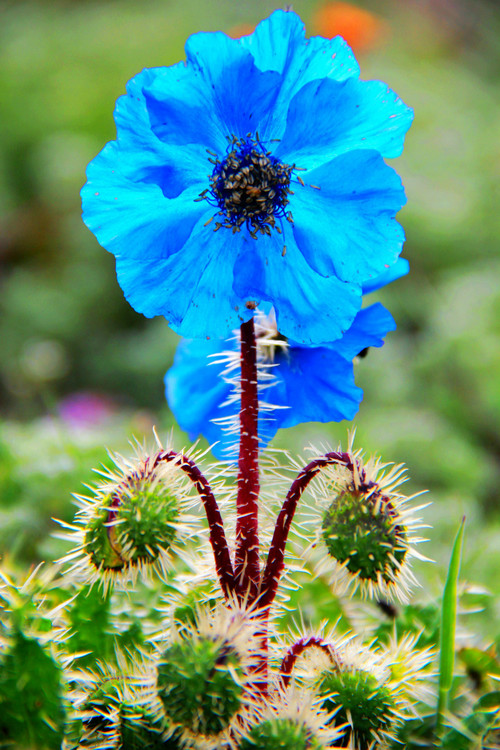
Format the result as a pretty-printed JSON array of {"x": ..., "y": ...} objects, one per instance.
[
  {"x": 488, "y": 703},
  {"x": 448, "y": 625},
  {"x": 31, "y": 712},
  {"x": 91, "y": 630}
]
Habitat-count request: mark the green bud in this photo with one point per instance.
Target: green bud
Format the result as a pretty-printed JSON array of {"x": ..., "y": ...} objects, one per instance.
[
  {"x": 360, "y": 532},
  {"x": 199, "y": 684},
  {"x": 280, "y": 734},
  {"x": 134, "y": 531},
  {"x": 98, "y": 544},
  {"x": 360, "y": 701},
  {"x": 110, "y": 717}
]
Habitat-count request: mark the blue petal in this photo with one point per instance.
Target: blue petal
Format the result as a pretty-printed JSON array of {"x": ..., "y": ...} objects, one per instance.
[
  {"x": 327, "y": 118},
  {"x": 197, "y": 394},
  {"x": 142, "y": 155},
  {"x": 347, "y": 227},
  {"x": 132, "y": 219},
  {"x": 310, "y": 383},
  {"x": 310, "y": 308},
  {"x": 278, "y": 44},
  {"x": 195, "y": 389},
  {"x": 319, "y": 387},
  {"x": 192, "y": 289},
  {"x": 400, "y": 268},
  {"x": 219, "y": 93},
  {"x": 180, "y": 108},
  {"x": 369, "y": 328}
]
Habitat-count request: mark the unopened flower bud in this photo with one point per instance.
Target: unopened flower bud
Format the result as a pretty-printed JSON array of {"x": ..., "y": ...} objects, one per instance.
[
  {"x": 283, "y": 733},
  {"x": 200, "y": 684},
  {"x": 367, "y": 528},
  {"x": 363, "y": 532},
  {"x": 134, "y": 528},
  {"x": 362, "y": 702},
  {"x": 136, "y": 519}
]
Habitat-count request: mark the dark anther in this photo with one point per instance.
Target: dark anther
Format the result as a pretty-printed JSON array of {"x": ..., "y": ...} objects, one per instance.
[{"x": 250, "y": 187}]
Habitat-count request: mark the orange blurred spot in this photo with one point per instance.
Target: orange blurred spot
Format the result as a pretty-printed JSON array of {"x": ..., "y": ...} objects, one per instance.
[
  {"x": 361, "y": 29},
  {"x": 242, "y": 29}
]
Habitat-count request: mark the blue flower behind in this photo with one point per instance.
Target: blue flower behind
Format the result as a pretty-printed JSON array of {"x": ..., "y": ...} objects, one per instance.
[
  {"x": 303, "y": 384},
  {"x": 251, "y": 173}
]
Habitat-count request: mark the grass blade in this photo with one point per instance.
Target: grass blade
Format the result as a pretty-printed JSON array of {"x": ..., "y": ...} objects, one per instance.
[{"x": 448, "y": 623}]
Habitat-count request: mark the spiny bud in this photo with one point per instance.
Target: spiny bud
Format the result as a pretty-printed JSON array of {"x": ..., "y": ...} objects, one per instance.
[
  {"x": 133, "y": 528},
  {"x": 280, "y": 734},
  {"x": 362, "y": 531},
  {"x": 362, "y": 702},
  {"x": 289, "y": 720},
  {"x": 367, "y": 528},
  {"x": 135, "y": 520},
  {"x": 200, "y": 684},
  {"x": 206, "y": 676},
  {"x": 116, "y": 707}
]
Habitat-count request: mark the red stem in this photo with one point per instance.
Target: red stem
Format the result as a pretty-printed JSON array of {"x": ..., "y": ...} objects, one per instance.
[
  {"x": 247, "y": 564},
  {"x": 275, "y": 559},
  {"x": 218, "y": 541},
  {"x": 297, "y": 649}
]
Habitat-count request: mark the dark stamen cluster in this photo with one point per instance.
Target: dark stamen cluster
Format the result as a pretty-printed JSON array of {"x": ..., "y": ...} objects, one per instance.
[{"x": 250, "y": 186}]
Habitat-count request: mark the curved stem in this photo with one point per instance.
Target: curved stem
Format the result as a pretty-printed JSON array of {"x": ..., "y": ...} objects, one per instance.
[
  {"x": 297, "y": 649},
  {"x": 218, "y": 540},
  {"x": 247, "y": 564},
  {"x": 275, "y": 558}
]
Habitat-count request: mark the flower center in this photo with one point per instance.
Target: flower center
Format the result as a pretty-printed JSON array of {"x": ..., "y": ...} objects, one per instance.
[{"x": 251, "y": 187}]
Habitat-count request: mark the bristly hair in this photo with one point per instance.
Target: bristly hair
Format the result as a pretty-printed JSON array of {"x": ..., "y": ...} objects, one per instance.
[{"x": 267, "y": 342}]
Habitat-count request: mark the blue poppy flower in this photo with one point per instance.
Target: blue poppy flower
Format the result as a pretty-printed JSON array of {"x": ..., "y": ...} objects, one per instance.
[
  {"x": 253, "y": 172},
  {"x": 297, "y": 383}
]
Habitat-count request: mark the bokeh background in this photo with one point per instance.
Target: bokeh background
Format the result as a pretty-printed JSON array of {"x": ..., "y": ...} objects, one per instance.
[{"x": 80, "y": 370}]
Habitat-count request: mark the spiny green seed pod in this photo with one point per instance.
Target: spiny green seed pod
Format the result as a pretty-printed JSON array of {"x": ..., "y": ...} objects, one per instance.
[
  {"x": 200, "y": 684},
  {"x": 133, "y": 529},
  {"x": 116, "y": 717},
  {"x": 361, "y": 701},
  {"x": 362, "y": 531},
  {"x": 280, "y": 734},
  {"x": 31, "y": 709},
  {"x": 135, "y": 520},
  {"x": 368, "y": 529}
]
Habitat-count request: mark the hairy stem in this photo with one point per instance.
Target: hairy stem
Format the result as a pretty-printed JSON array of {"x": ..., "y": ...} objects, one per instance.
[
  {"x": 298, "y": 648},
  {"x": 275, "y": 559},
  {"x": 247, "y": 565}
]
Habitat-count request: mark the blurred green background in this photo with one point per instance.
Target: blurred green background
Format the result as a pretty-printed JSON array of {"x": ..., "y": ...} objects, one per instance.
[{"x": 80, "y": 370}]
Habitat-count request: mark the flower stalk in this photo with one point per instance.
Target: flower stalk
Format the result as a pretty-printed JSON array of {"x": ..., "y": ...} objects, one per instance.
[
  {"x": 297, "y": 649},
  {"x": 247, "y": 564}
]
